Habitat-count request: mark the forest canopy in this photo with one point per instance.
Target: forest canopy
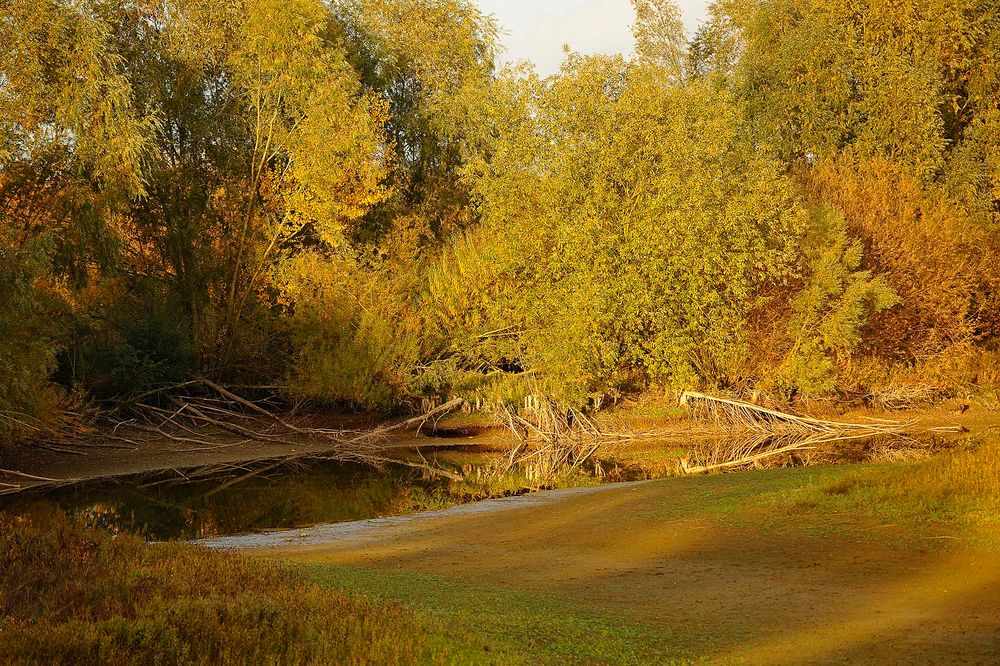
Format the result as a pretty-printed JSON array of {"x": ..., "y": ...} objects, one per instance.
[{"x": 352, "y": 201}]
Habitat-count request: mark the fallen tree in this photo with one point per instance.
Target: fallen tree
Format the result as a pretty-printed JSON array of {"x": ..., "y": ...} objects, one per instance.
[{"x": 761, "y": 436}]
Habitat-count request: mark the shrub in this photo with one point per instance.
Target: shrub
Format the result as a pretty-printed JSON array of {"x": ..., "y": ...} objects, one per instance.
[
  {"x": 29, "y": 333},
  {"x": 74, "y": 595},
  {"x": 941, "y": 263},
  {"x": 628, "y": 226},
  {"x": 131, "y": 346},
  {"x": 351, "y": 327},
  {"x": 830, "y": 311}
]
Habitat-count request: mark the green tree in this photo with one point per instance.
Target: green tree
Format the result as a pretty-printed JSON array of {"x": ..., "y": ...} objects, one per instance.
[
  {"x": 629, "y": 229},
  {"x": 432, "y": 61},
  {"x": 899, "y": 80},
  {"x": 71, "y": 152}
]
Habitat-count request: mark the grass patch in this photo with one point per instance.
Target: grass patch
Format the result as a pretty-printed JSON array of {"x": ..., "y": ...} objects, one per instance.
[
  {"x": 736, "y": 497},
  {"x": 957, "y": 491},
  {"x": 74, "y": 595},
  {"x": 478, "y": 624}
]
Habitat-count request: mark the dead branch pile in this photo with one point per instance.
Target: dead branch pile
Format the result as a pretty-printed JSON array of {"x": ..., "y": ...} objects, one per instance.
[{"x": 201, "y": 415}]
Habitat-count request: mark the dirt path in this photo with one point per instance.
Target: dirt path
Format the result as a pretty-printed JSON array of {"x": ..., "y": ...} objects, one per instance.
[{"x": 751, "y": 596}]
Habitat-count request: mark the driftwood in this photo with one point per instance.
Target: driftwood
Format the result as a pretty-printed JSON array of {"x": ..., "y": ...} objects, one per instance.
[
  {"x": 770, "y": 434},
  {"x": 12, "y": 488},
  {"x": 737, "y": 415},
  {"x": 201, "y": 415},
  {"x": 198, "y": 412},
  {"x": 418, "y": 421}
]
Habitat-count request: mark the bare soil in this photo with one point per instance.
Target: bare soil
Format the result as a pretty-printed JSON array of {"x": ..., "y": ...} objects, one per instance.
[{"x": 749, "y": 595}]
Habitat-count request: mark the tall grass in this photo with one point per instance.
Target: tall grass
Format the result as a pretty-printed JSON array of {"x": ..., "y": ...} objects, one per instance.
[{"x": 74, "y": 595}]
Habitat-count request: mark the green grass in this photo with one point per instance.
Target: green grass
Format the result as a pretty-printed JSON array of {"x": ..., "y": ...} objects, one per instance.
[
  {"x": 73, "y": 595},
  {"x": 957, "y": 493},
  {"x": 479, "y": 624}
]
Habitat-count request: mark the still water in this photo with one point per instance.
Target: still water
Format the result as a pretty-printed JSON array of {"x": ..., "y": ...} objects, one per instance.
[
  {"x": 163, "y": 508},
  {"x": 168, "y": 507}
]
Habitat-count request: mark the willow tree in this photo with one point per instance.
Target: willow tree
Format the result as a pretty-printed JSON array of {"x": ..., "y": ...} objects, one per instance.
[
  {"x": 900, "y": 80},
  {"x": 71, "y": 149},
  {"x": 265, "y": 142},
  {"x": 432, "y": 62},
  {"x": 158, "y": 161},
  {"x": 629, "y": 230},
  {"x": 887, "y": 111}
]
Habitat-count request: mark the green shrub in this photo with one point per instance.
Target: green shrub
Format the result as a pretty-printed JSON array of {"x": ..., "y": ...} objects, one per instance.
[
  {"x": 139, "y": 343},
  {"x": 351, "y": 328},
  {"x": 835, "y": 303}
]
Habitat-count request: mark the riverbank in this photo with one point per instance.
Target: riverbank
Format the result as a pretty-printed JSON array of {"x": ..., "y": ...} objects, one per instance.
[
  {"x": 658, "y": 421},
  {"x": 808, "y": 565},
  {"x": 889, "y": 561}
]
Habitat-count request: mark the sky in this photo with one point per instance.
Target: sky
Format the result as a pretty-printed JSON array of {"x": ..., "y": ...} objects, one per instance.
[{"x": 536, "y": 29}]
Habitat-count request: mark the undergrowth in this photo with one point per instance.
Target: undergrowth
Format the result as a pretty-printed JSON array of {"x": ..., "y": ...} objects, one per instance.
[{"x": 75, "y": 595}]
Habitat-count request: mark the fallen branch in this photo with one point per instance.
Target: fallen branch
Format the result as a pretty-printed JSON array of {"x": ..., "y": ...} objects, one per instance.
[
  {"x": 32, "y": 477},
  {"x": 737, "y": 415},
  {"x": 419, "y": 421}
]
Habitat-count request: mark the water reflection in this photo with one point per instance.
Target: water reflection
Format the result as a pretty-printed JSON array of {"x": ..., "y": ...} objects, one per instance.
[
  {"x": 326, "y": 492},
  {"x": 319, "y": 493}
]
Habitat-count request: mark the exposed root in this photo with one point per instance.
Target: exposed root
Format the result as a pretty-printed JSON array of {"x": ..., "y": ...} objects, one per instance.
[{"x": 550, "y": 441}]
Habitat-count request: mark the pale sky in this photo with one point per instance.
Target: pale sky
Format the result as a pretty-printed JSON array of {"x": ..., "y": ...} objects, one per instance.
[{"x": 537, "y": 29}]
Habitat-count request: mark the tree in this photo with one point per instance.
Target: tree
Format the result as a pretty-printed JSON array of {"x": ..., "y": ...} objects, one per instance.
[
  {"x": 628, "y": 231},
  {"x": 897, "y": 80},
  {"x": 885, "y": 112},
  {"x": 267, "y": 142},
  {"x": 432, "y": 60},
  {"x": 659, "y": 33},
  {"x": 71, "y": 152},
  {"x": 830, "y": 311}
]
